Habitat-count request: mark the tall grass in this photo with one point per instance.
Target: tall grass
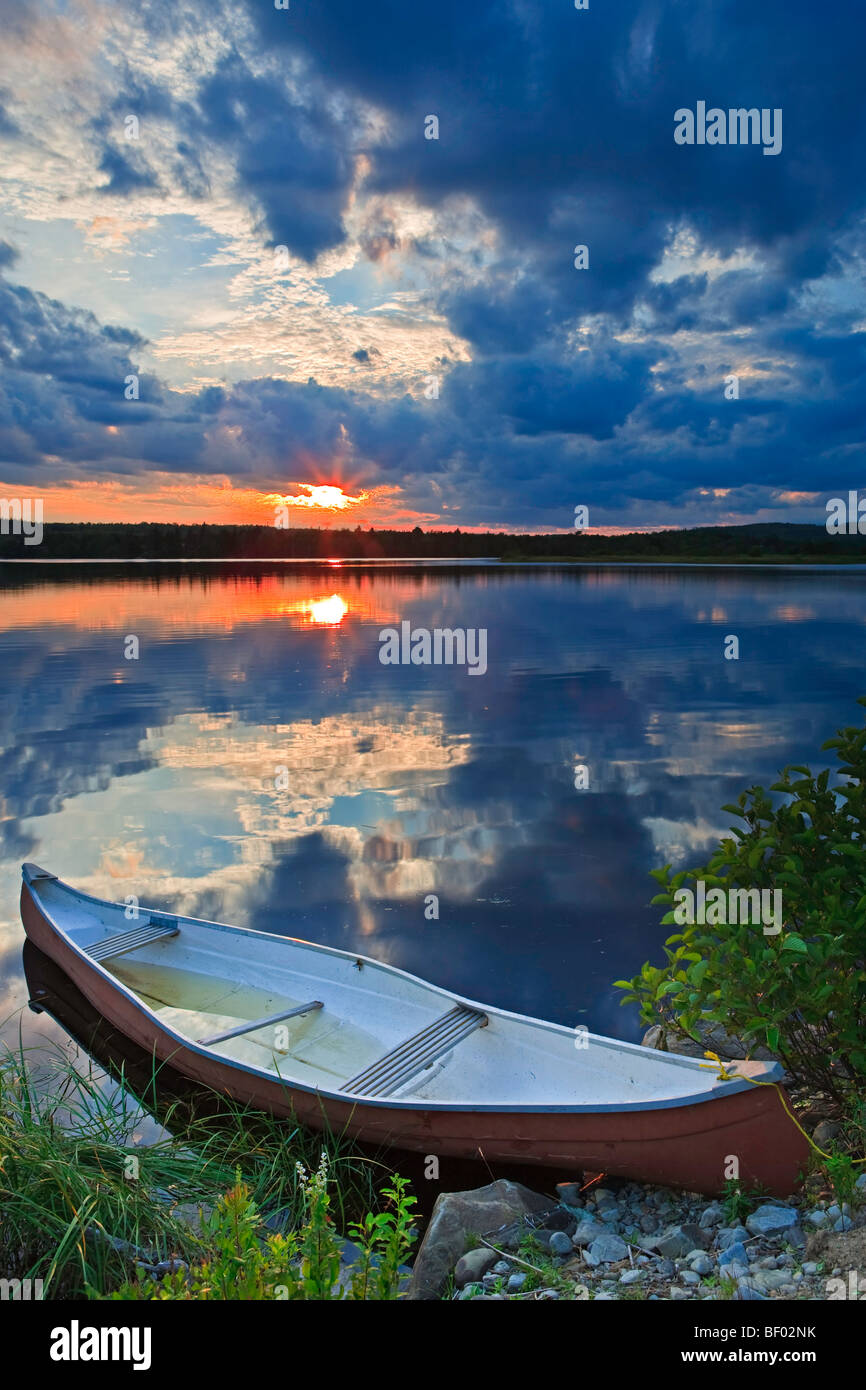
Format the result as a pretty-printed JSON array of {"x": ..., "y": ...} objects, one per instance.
[{"x": 72, "y": 1179}]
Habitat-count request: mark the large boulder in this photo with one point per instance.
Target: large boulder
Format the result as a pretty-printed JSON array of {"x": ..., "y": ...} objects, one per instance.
[{"x": 459, "y": 1215}]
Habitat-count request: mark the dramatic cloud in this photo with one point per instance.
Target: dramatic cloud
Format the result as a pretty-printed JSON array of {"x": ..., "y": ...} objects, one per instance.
[{"x": 309, "y": 289}]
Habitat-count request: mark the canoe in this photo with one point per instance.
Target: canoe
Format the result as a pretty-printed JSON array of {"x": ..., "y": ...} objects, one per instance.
[{"x": 348, "y": 1044}]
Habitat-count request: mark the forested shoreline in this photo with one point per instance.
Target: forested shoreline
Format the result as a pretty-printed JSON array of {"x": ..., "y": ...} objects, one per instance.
[{"x": 761, "y": 543}]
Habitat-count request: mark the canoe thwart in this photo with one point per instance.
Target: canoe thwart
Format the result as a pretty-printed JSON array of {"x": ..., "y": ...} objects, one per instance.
[
  {"x": 255, "y": 1023},
  {"x": 395, "y": 1068},
  {"x": 154, "y": 929}
]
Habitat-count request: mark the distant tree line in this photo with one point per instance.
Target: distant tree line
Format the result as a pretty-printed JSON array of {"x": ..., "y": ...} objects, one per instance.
[{"x": 108, "y": 540}]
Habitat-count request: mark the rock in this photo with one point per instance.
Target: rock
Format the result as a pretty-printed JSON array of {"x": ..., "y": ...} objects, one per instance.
[
  {"x": 631, "y": 1276},
  {"x": 676, "y": 1294},
  {"x": 607, "y": 1249},
  {"x": 732, "y": 1235},
  {"x": 604, "y": 1197},
  {"x": 547, "y": 1293},
  {"x": 501, "y": 1267},
  {"x": 769, "y": 1218},
  {"x": 860, "y": 1184},
  {"x": 587, "y": 1232},
  {"x": 569, "y": 1194},
  {"x": 560, "y": 1244},
  {"x": 473, "y": 1266},
  {"x": 604, "y": 1298},
  {"x": 825, "y": 1132},
  {"x": 677, "y": 1241},
  {"x": 554, "y": 1219},
  {"x": 665, "y": 1269},
  {"x": 735, "y": 1254},
  {"x": 818, "y": 1218},
  {"x": 712, "y": 1216},
  {"x": 516, "y": 1282},
  {"x": 648, "y": 1225},
  {"x": 688, "y": 1276},
  {"x": 844, "y": 1223},
  {"x": 702, "y": 1264},
  {"x": 796, "y": 1236},
  {"x": 456, "y": 1216},
  {"x": 747, "y": 1292},
  {"x": 765, "y": 1280}
]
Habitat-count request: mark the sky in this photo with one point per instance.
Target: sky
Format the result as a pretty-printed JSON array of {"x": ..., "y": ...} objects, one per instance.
[{"x": 240, "y": 262}]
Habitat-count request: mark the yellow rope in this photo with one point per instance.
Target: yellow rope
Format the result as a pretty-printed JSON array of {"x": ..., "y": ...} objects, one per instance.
[{"x": 734, "y": 1076}]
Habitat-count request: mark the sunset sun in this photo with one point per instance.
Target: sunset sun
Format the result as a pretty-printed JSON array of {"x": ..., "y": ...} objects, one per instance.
[{"x": 323, "y": 496}]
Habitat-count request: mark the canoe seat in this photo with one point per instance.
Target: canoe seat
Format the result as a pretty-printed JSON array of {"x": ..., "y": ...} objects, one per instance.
[
  {"x": 154, "y": 929},
  {"x": 395, "y": 1068},
  {"x": 257, "y": 1023}
]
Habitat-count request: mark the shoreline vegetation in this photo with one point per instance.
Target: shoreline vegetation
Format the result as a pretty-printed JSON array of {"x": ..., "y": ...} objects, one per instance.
[{"x": 761, "y": 543}]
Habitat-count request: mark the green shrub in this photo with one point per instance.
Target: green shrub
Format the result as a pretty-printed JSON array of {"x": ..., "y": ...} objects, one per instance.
[
  {"x": 244, "y": 1262},
  {"x": 801, "y": 992}
]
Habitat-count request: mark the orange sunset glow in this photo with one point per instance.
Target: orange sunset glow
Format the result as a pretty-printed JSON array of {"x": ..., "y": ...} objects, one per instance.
[
  {"x": 217, "y": 606},
  {"x": 326, "y": 496}
]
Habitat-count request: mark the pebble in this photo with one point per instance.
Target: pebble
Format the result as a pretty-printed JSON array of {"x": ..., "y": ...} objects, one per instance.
[
  {"x": 735, "y": 1254},
  {"x": 560, "y": 1244},
  {"x": 587, "y": 1232},
  {"x": 732, "y": 1235},
  {"x": 607, "y": 1249},
  {"x": 748, "y": 1293},
  {"x": 471, "y": 1266},
  {"x": 668, "y": 1257}
]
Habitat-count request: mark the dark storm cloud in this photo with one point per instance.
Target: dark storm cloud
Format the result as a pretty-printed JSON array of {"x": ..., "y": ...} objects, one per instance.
[
  {"x": 538, "y": 105},
  {"x": 291, "y": 158}
]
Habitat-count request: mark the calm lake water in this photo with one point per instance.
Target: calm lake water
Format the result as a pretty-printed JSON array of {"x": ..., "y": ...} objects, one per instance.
[{"x": 258, "y": 764}]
